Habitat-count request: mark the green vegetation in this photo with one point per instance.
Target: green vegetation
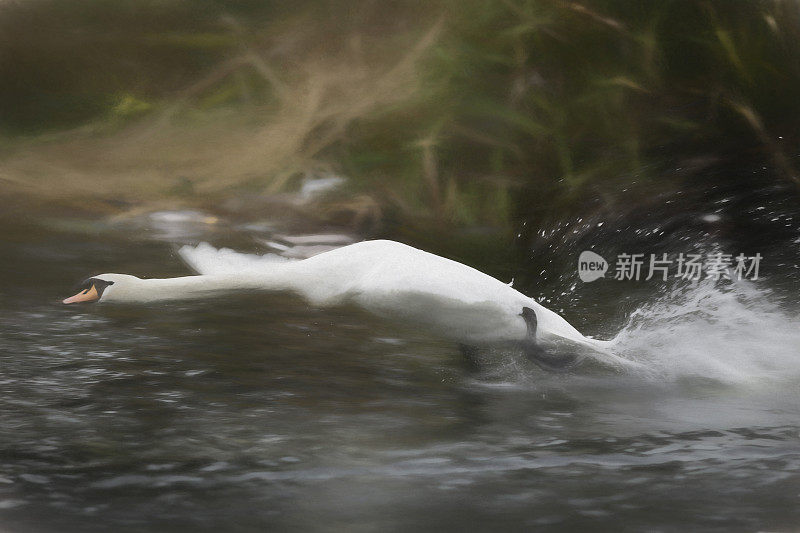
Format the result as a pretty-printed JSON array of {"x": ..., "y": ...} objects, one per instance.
[{"x": 450, "y": 112}]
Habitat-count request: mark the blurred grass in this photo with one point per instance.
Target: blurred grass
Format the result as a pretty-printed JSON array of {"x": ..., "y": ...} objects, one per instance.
[{"x": 447, "y": 113}]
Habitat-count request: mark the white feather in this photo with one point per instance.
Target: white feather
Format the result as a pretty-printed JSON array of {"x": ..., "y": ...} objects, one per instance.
[{"x": 207, "y": 260}]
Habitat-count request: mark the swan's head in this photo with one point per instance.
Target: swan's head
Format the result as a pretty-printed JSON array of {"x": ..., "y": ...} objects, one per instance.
[{"x": 100, "y": 288}]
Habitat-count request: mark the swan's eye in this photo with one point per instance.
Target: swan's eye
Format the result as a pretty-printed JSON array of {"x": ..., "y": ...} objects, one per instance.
[{"x": 86, "y": 291}]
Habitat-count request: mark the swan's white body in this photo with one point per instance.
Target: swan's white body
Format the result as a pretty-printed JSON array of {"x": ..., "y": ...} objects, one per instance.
[{"x": 388, "y": 278}]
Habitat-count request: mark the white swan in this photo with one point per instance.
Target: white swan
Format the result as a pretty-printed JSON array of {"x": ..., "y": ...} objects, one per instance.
[{"x": 387, "y": 278}]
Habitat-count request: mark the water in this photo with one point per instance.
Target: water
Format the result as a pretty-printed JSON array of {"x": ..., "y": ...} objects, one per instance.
[{"x": 254, "y": 412}]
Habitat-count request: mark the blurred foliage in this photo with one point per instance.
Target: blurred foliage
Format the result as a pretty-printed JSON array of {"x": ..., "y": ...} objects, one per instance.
[{"x": 465, "y": 112}]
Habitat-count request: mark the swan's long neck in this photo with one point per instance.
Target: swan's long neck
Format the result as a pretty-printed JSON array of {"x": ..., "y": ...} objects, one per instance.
[{"x": 201, "y": 286}]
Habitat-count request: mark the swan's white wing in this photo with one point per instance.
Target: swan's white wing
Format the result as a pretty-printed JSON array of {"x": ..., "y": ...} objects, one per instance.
[{"x": 205, "y": 259}]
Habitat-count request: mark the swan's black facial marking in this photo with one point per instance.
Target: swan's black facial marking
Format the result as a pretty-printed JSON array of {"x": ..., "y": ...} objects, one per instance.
[
  {"x": 91, "y": 290},
  {"x": 99, "y": 285}
]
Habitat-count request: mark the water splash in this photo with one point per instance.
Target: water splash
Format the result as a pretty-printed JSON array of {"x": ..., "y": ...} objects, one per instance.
[{"x": 735, "y": 334}]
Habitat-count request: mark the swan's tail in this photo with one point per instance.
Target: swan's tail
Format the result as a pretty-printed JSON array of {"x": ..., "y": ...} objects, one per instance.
[
  {"x": 603, "y": 352},
  {"x": 205, "y": 259}
]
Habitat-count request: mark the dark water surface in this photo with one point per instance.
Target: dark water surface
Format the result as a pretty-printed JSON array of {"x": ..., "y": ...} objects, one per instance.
[{"x": 257, "y": 412}]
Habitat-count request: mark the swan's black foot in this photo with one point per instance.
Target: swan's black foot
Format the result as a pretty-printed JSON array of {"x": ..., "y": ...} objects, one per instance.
[{"x": 537, "y": 354}]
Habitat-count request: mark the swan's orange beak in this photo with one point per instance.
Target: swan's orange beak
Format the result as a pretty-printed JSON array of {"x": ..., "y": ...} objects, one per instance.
[{"x": 89, "y": 295}]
